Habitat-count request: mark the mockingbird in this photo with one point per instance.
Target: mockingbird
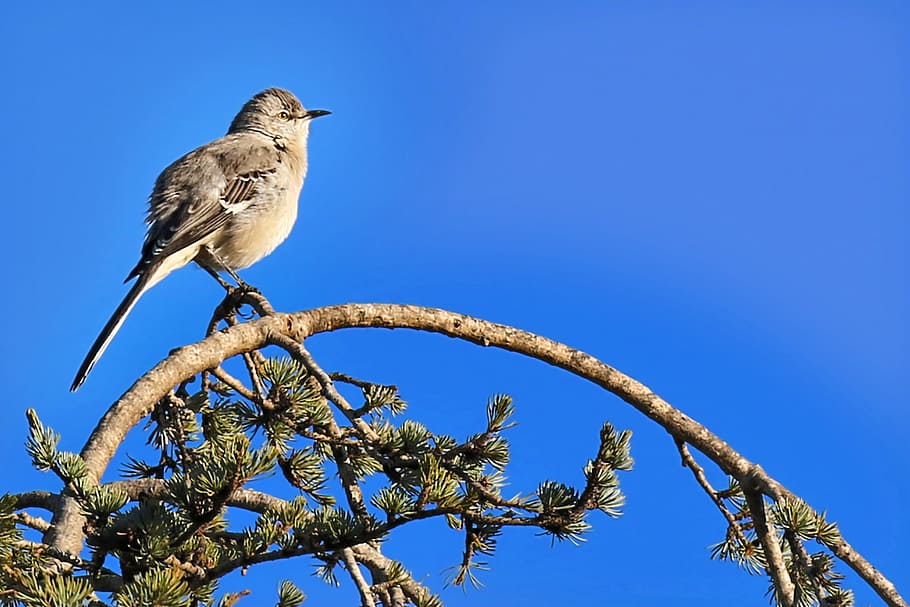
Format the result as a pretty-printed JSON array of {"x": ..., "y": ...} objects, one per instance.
[{"x": 225, "y": 205}]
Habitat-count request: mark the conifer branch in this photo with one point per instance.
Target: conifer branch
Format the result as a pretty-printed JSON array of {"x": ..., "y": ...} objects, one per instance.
[{"x": 284, "y": 329}]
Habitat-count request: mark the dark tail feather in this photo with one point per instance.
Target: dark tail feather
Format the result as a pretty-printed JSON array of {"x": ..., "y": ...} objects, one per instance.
[{"x": 110, "y": 329}]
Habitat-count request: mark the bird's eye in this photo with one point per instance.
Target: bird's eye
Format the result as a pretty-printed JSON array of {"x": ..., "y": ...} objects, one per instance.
[{"x": 284, "y": 115}]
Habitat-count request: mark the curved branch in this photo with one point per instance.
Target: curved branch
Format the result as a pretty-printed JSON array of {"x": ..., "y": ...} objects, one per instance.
[
  {"x": 37, "y": 499},
  {"x": 190, "y": 360}
]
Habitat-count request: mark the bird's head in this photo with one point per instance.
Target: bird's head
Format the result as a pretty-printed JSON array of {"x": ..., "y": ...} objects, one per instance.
[{"x": 277, "y": 113}]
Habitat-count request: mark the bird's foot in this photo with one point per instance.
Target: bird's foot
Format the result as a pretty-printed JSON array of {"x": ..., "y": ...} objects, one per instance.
[{"x": 245, "y": 287}]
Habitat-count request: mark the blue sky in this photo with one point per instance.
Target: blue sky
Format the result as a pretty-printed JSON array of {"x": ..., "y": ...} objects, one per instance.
[{"x": 711, "y": 197}]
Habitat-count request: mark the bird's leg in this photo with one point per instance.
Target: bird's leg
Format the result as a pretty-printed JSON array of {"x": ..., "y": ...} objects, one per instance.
[
  {"x": 243, "y": 286},
  {"x": 236, "y": 296},
  {"x": 214, "y": 274}
]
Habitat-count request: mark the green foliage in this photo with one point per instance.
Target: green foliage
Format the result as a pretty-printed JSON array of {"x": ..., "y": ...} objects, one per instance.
[
  {"x": 42, "y": 443},
  {"x": 815, "y": 580},
  {"x": 383, "y": 397},
  {"x": 156, "y": 587},
  {"x": 305, "y": 469},
  {"x": 173, "y": 543},
  {"x": 103, "y": 500},
  {"x": 37, "y": 589},
  {"x": 289, "y": 595},
  {"x": 9, "y": 532},
  {"x": 355, "y": 474},
  {"x": 798, "y": 517},
  {"x": 394, "y": 501}
]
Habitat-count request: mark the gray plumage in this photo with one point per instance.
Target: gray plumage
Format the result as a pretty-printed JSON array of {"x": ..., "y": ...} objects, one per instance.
[{"x": 225, "y": 205}]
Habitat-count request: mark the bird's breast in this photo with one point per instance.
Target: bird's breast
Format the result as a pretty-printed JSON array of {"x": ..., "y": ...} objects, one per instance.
[{"x": 259, "y": 229}]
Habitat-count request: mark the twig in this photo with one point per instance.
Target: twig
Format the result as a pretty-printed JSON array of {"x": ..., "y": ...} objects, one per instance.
[
  {"x": 233, "y": 383},
  {"x": 350, "y": 563},
  {"x": 352, "y": 490},
  {"x": 689, "y": 462},
  {"x": 347, "y": 379},
  {"x": 225, "y": 311},
  {"x": 349, "y": 483}
]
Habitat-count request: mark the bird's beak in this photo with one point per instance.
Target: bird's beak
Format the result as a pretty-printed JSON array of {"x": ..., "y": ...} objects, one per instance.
[{"x": 310, "y": 114}]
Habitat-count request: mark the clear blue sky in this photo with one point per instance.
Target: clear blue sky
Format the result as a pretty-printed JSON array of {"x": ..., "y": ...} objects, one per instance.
[{"x": 711, "y": 196}]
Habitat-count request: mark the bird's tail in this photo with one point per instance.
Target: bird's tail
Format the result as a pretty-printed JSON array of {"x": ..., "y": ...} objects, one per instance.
[{"x": 110, "y": 329}]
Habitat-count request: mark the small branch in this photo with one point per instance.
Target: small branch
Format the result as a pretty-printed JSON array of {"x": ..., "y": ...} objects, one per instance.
[
  {"x": 223, "y": 569},
  {"x": 35, "y": 522},
  {"x": 352, "y": 489},
  {"x": 225, "y": 311},
  {"x": 253, "y": 362},
  {"x": 350, "y": 563},
  {"x": 379, "y": 566},
  {"x": 347, "y": 379},
  {"x": 37, "y": 499},
  {"x": 233, "y": 383},
  {"x": 798, "y": 550},
  {"x": 689, "y": 462},
  {"x": 324, "y": 438},
  {"x": 777, "y": 569},
  {"x": 60, "y": 555},
  {"x": 246, "y": 499},
  {"x": 495, "y": 500},
  {"x": 245, "y": 561},
  {"x": 342, "y": 459},
  {"x": 882, "y": 585},
  {"x": 233, "y": 300}
]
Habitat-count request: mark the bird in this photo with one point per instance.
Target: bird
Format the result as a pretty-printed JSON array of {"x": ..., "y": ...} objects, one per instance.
[{"x": 225, "y": 205}]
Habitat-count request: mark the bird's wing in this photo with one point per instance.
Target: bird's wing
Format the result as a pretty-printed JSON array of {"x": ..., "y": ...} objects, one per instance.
[{"x": 200, "y": 192}]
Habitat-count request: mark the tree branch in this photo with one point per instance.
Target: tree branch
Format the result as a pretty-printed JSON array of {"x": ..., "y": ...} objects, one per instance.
[
  {"x": 247, "y": 499},
  {"x": 185, "y": 362},
  {"x": 35, "y": 522},
  {"x": 379, "y": 565},
  {"x": 350, "y": 563},
  {"x": 777, "y": 569},
  {"x": 38, "y": 499},
  {"x": 700, "y": 477}
]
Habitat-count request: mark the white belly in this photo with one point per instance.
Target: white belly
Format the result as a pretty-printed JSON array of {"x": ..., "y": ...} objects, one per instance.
[{"x": 254, "y": 233}]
